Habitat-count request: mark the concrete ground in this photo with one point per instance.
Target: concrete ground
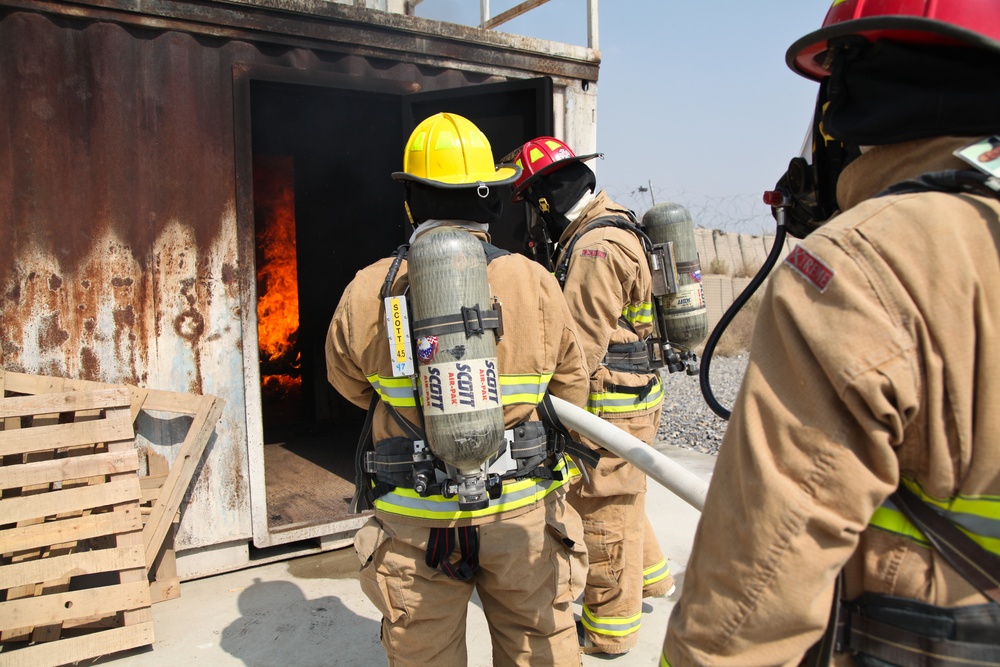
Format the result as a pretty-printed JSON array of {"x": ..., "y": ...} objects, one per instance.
[{"x": 310, "y": 611}]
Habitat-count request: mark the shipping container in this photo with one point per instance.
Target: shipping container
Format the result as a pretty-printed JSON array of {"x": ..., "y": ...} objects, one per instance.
[{"x": 187, "y": 186}]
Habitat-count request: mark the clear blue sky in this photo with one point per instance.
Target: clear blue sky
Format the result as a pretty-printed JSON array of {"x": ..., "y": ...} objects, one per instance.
[{"x": 694, "y": 96}]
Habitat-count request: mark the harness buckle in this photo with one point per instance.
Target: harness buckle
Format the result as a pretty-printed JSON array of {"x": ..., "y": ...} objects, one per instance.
[
  {"x": 494, "y": 485},
  {"x": 369, "y": 463},
  {"x": 421, "y": 452},
  {"x": 473, "y": 321}
]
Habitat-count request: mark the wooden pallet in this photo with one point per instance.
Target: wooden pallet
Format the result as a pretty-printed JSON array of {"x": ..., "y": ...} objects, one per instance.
[
  {"x": 164, "y": 485},
  {"x": 73, "y": 579}
]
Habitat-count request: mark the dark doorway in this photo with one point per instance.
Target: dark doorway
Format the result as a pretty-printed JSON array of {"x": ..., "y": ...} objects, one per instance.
[{"x": 322, "y": 158}]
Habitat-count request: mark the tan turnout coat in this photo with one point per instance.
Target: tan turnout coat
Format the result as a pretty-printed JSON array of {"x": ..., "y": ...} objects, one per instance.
[{"x": 876, "y": 355}]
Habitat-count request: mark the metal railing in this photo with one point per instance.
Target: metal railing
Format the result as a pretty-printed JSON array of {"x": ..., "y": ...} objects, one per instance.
[{"x": 489, "y": 22}]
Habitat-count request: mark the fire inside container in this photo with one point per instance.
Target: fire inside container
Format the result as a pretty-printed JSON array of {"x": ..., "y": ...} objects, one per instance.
[{"x": 277, "y": 287}]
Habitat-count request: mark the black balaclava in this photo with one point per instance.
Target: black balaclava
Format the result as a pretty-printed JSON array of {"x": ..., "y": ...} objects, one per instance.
[
  {"x": 890, "y": 92},
  {"x": 555, "y": 193},
  {"x": 474, "y": 204}
]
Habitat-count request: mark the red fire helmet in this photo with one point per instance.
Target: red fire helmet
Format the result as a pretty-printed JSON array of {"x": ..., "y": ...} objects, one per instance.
[
  {"x": 973, "y": 23},
  {"x": 541, "y": 156}
]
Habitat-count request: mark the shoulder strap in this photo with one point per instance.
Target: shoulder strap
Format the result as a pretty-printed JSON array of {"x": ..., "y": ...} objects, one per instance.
[
  {"x": 390, "y": 277},
  {"x": 363, "y": 497},
  {"x": 492, "y": 252},
  {"x": 980, "y": 567},
  {"x": 619, "y": 220},
  {"x": 952, "y": 180}
]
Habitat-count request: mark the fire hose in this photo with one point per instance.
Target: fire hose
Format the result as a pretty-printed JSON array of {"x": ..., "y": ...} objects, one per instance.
[{"x": 674, "y": 477}]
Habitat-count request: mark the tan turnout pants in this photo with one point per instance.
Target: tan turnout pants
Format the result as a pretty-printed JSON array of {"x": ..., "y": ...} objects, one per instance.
[
  {"x": 626, "y": 562},
  {"x": 531, "y": 569}
]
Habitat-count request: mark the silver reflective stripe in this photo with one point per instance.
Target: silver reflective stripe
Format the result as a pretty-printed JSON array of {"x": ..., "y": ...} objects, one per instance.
[
  {"x": 612, "y": 627},
  {"x": 515, "y": 495},
  {"x": 978, "y": 517},
  {"x": 638, "y": 314},
  {"x": 523, "y": 388},
  {"x": 397, "y": 392},
  {"x": 655, "y": 573}
]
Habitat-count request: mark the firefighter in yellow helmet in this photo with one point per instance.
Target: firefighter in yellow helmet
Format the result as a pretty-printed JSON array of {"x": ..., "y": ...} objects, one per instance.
[
  {"x": 426, "y": 549},
  {"x": 600, "y": 261},
  {"x": 863, "y": 450}
]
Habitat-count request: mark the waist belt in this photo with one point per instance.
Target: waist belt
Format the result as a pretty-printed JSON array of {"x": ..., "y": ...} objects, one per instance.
[
  {"x": 532, "y": 450},
  {"x": 628, "y": 357},
  {"x": 640, "y": 391},
  {"x": 905, "y": 632}
]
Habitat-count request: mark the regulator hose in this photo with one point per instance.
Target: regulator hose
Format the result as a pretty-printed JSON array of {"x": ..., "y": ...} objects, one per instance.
[{"x": 740, "y": 301}]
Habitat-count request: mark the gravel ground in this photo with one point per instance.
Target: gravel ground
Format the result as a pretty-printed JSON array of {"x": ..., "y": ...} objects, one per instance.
[{"x": 687, "y": 421}]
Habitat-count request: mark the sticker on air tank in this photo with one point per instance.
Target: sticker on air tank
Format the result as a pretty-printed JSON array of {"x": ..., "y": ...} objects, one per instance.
[
  {"x": 397, "y": 328},
  {"x": 687, "y": 296},
  {"x": 459, "y": 386},
  {"x": 427, "y": 347}
]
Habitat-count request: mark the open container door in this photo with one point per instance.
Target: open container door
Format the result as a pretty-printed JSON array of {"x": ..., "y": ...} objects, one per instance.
[{"x": 315, "y": 170}]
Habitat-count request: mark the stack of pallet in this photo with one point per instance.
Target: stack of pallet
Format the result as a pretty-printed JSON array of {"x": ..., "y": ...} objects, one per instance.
[{"x": 84, "y": 539}]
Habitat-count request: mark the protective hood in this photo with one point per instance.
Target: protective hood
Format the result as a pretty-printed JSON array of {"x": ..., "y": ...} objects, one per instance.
[
  {"x": 557, "y": 192},
  {"x": 482, "y": 204},
  {"x": 891, "y": 92}
]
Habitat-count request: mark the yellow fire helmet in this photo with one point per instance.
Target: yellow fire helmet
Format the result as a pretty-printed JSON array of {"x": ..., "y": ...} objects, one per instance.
[{"x": 449, "y": 151}]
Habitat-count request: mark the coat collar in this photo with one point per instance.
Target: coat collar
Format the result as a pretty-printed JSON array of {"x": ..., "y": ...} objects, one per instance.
[{"x": 882, "y": 166}]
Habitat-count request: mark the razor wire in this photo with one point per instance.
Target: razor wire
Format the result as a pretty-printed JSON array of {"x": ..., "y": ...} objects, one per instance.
[{"x": 744, "y": 213}]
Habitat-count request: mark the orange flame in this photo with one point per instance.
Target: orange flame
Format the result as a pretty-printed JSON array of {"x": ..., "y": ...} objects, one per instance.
[{"x": 277, "y": 265}]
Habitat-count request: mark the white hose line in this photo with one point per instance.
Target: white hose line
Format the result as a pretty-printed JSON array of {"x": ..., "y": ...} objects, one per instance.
[{"x": 674, "y": 477}]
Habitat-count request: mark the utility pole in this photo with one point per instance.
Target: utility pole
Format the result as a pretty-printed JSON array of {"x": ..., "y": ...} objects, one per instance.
[{"x": 651, "y": 197}]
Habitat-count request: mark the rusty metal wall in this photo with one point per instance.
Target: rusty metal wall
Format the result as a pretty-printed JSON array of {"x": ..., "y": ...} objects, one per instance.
[{"x": 118, "y": 217}]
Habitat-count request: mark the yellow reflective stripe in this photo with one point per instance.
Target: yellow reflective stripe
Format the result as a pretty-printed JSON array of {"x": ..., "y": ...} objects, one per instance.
[
  {"x": 396, "y": 391},
  {"x": 976, "y": 516},
  {"x": 655, "y": 573},
  {"x": 514, "y": 389},
  {"x": 515, "y": 495},
  {"x": 573, "y": 470},
  {"x": 641, "y": 313},
  {"x": 610, "y": 626},
  {"x": 530, "y": 389},
  {"x": 893, "y": 521},
  {"x": 608, "y": 402}
]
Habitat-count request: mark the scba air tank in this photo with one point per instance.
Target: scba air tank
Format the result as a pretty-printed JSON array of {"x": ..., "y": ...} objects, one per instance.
[
  {"x": 457, "y": 364},
  {"x": 686, "y": 318}
]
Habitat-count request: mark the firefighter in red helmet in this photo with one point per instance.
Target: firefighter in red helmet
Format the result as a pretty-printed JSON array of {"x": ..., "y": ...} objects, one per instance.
[
  {"x": 602, "y": 265},
  {"x": 427, "y": 547},
  {"x": 854, "y": 513}
]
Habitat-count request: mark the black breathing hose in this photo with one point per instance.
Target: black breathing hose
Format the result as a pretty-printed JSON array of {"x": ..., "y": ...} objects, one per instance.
[{"x": 738, "y": 303}]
